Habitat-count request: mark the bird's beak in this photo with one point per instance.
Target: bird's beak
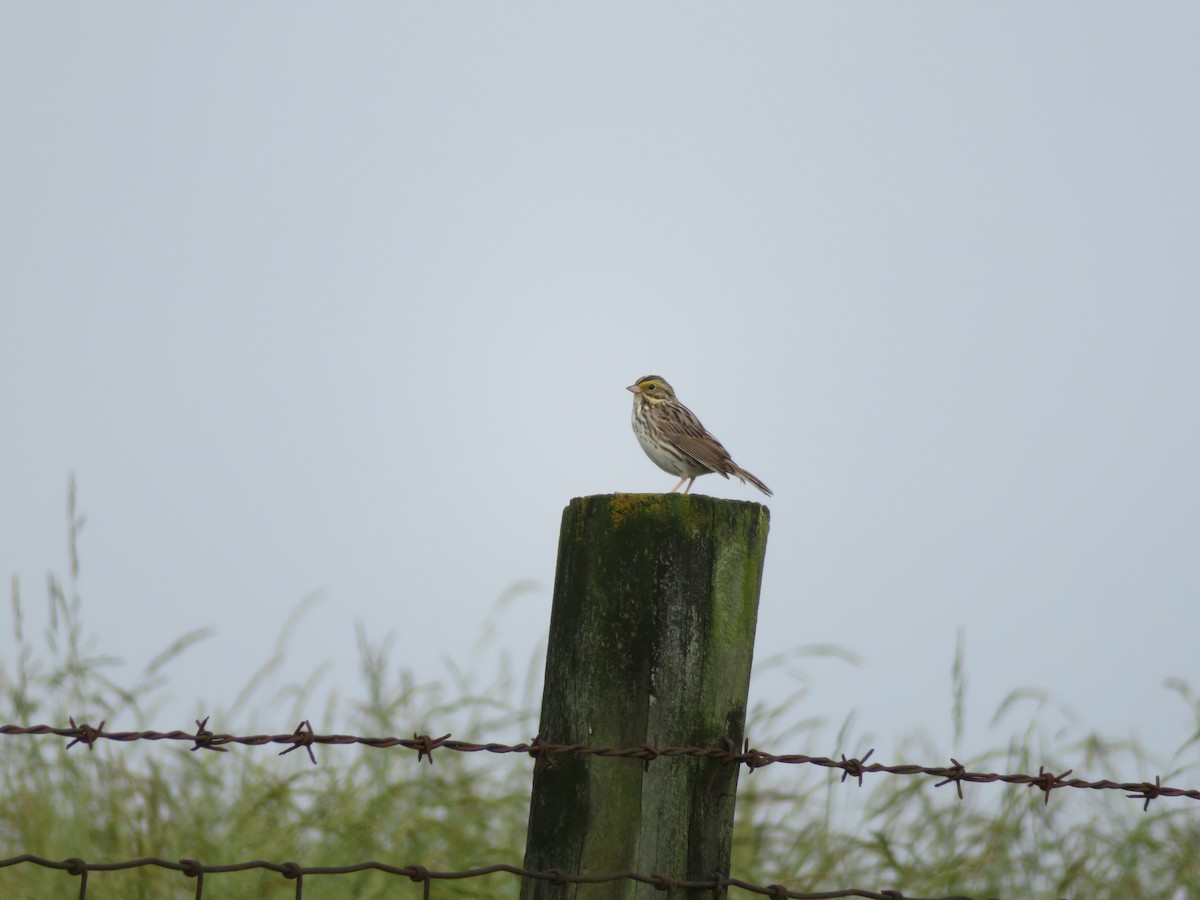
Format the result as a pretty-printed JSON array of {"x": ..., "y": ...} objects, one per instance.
[{"x": 634, "y": 388}]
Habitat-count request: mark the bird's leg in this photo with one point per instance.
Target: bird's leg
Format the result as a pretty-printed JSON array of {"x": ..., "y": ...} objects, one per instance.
[
  {"x": 678, "y": 486},
  {"x": 691, "y": 481}
]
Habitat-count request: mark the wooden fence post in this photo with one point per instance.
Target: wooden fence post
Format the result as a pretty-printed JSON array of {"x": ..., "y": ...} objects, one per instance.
[{"x": 651, "y": 640}]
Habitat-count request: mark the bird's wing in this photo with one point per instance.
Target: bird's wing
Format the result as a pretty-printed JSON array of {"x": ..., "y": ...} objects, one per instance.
[{"x": 694, "y": 440}]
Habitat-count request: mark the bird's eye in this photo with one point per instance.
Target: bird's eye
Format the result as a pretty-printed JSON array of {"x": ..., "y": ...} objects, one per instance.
[{"x": 650, "y": 387}]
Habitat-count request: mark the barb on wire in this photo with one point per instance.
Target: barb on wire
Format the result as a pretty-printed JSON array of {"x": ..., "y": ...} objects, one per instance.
[
  {"x": 192, "y": 868},
  {"x": 205, "y": 740},
  {"x": 302, "y": 737},
  {"x": 544, "y": 752}
]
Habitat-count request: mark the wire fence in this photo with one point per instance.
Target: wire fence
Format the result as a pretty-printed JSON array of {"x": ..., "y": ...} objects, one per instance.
[
  {"x": 294, "y": 871},
  {"x": 545, "y": 752}
]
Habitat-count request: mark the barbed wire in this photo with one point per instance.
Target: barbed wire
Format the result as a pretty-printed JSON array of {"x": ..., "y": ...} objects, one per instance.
[
  {"x": 294, "y": 871},
  {"x": 545, "y": 752}
]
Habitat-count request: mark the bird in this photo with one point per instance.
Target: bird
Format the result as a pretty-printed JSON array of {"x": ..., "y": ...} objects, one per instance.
[{"x": 675, "y": 440}]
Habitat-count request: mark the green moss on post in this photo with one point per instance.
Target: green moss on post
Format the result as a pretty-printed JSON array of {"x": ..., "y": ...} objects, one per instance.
[{"x": 651, "y": 639}]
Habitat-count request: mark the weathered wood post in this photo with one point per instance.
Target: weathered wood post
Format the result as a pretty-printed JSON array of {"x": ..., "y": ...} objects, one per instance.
[{"x": 651, "y": 639}]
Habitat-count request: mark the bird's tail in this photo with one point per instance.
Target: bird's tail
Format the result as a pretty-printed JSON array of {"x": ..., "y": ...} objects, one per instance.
[{"x": 746, "y": 476}]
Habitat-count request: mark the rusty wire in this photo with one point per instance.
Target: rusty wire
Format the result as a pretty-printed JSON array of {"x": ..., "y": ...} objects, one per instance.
[
  {"x": 545, "y": 752},
  {"x": 296, "y": 872}
]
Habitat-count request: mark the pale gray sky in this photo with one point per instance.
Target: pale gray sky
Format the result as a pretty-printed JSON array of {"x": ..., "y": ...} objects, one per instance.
[{"x": 345, "y": 298}]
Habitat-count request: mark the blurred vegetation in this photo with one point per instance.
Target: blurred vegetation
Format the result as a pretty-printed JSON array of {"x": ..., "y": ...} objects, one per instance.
[{"x": 796, "y": 825}]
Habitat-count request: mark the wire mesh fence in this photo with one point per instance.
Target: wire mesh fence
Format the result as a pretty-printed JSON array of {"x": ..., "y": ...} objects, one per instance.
[{"x": 718, "y": 884}]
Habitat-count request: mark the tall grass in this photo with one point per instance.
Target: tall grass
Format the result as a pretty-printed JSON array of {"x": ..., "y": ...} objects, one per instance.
[
  {"x": 796, "y": 825},
  {"x": 120, "y": 801},
  {"x": 799, "y": 827}
]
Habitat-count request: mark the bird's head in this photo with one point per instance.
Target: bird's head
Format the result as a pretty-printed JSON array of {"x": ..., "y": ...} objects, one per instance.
[{"x": 652, "y": 389}]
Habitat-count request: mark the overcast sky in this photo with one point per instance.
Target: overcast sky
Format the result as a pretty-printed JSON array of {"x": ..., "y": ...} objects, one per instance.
[{"x": 344, "y": 299}]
